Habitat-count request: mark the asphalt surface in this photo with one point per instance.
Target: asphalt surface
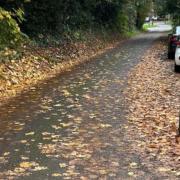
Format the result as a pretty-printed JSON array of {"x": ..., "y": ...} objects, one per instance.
[
  {"x": 72, "y": 126},
  {"x": 159, "y": 27}
]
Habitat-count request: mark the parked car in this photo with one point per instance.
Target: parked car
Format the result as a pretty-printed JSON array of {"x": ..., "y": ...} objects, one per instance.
[
  {"x": 172, "y": 43},
  {"x": 177, "y": 58},
  {"x": 154, "y": 18},
  {"x": 147, "y": 19}
]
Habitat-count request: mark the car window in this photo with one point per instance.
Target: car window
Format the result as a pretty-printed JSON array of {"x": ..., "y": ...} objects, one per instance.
[{"x": 178, "y": 30}]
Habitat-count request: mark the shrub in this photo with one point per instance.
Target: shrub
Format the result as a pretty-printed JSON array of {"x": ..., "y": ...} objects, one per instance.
[{"x": 10, "y": 34}]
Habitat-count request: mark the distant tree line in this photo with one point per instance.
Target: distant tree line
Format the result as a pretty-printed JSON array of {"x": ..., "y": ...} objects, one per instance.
[{"x": 172, "y": 7}]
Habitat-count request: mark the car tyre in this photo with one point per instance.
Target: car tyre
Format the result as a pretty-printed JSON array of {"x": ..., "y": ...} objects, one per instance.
[
  {"x": 176, "y": 68},
  {"x": 170, "y": 55}
]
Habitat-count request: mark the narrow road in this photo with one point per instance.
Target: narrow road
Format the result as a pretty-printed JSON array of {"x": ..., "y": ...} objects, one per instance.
[{"x": 71, "y": 127}]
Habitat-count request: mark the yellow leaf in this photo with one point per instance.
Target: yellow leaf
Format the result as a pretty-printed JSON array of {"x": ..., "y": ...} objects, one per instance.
[
  {"x": 23, "y": 141},
  {"x": 130, "y": 173},
  {"x": 6, "y": 153},
  {"x": 105, "y": 125},
  {"x": 65, "y": 124},
  {"x": 103, "y": 172},
  {"x": 25, "y": 164},
  {"x": 163, "y": 169},
  {"x": 66, "y": 93},
  {"x": 86, "y": 96},
  {"x": 30, "y": 133},
  {"x": 133, "y": 165},
  {"x": 56, "y": 175},
  {"x": 62, "y": 165}
]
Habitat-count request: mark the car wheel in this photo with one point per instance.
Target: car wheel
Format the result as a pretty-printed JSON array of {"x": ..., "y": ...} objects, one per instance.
[
  {"x": 176, "y": 68},
  {"x": 170, "y": 55}
]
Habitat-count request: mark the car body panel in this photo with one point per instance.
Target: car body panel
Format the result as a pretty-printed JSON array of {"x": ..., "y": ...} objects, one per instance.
[
  {"x": 178, "y": 30},
  {"x": 172, "y": 44},
  {"x": 154, "y": 18},
  {"x": 177, "y": 56}
]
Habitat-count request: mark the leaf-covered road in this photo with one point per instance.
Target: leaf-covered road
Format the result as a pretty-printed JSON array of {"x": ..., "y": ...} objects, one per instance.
[{"x": 72, "y": 126}]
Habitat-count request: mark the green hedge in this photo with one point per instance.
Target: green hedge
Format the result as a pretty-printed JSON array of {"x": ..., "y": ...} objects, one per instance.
[
  {"x": 69, "y": 16},
  {"x": 10, "y": 34}
]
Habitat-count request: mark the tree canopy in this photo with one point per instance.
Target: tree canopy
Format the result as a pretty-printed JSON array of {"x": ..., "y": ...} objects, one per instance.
[{"x": 173, "y": 7}]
